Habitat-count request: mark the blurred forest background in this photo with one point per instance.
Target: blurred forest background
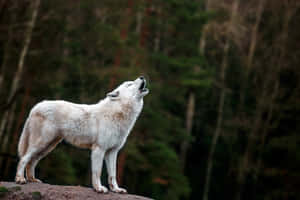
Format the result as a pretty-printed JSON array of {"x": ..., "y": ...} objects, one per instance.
[{"x": 222, "y": 117}]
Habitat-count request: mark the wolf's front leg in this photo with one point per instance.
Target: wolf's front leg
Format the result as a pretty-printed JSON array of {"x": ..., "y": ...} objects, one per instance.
[
  {"x": 97, "y": 160},
  {"x": 111, "y": 163}
]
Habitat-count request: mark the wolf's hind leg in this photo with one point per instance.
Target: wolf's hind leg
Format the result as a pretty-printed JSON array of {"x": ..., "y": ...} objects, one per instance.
[
  {"x": 31, "y": 152},
  {"x": 30, "y": 168}
]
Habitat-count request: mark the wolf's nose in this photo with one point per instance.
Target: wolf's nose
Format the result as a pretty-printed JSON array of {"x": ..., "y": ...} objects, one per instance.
[{"x": 141, "y": 77}]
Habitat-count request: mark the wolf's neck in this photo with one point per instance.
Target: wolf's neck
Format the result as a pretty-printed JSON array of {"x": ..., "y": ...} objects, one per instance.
[
  {"x": 123, "y": 110},
  {"x": 131, "y": 109}
]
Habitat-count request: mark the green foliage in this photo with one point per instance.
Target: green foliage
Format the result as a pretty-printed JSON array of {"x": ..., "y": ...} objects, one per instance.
[{"x": 3, "y": 191}]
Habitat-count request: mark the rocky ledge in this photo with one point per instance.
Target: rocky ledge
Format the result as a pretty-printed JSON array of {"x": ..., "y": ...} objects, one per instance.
[{"x": 41, "y": 191}]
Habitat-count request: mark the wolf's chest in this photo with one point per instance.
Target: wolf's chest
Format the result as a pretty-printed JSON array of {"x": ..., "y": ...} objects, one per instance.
[{"x": 113, "y": 133}]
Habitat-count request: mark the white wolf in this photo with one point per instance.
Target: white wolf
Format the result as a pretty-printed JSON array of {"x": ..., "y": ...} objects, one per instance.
[{"x": 102, "y": 127}]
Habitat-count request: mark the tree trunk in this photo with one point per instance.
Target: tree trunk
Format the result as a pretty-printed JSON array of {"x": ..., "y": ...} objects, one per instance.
[
  {"x": 3, "y": 137},
  {"x": 244, "y": 166},
  {"x": 144, "y": 26},
  {"x": 28, "y": 35},
  {"x": 253, "y": 135},
  {"x": 202, "y": 41},
  {"x": 190, "y": 110},
  {"x": 217, "y": 132},
  {"x": 274, "y": 95},
  {"x": 15, "y": 137},
  {"x": 249, "y": 59},
  {"x": 9, "y": 121},
  {"x": 142, "y": 29},
  {"x": 139, "y": 19},
  {"x": 264, "y": 135},
  {"x": 3, "y": 124},
  {"x": 157, "y": 39}
]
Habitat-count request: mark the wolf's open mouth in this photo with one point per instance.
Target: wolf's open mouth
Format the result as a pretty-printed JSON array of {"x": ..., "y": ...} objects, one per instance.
[{"x": 143, "y": 88}]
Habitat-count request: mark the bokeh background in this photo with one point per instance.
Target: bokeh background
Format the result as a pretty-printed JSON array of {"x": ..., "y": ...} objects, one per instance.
[{"x": 222, "y": 117}]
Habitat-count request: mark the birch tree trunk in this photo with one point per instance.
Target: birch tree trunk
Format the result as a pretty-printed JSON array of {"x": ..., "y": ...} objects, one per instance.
[
  {"x": 217, "y": 132},
  {"x": 252, "y": 48},
  {"x": 249, "y": 63},
  {"x": 190, "y": 110},
  {"x": 20, "y": 69},
  {"x": 202, "y": 41}
]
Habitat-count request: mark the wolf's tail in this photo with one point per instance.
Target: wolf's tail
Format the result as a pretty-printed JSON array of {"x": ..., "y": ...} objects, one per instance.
[{"x": 23, "y": 142}]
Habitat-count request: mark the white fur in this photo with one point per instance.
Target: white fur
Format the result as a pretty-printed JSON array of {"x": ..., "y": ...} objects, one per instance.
[{"x": 102, "y": 127}]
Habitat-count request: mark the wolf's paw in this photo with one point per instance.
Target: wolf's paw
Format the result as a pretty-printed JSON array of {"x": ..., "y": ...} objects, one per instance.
[
  {"x": 20, "y": 180},
  {"x": 101, "y": 189},
  {"x": 34, "y": 180},
  {"x": 118, "y": 190}
]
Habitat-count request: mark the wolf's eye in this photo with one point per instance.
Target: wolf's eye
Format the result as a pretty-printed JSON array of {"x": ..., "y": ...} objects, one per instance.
[{"x": 129, "y": 84}]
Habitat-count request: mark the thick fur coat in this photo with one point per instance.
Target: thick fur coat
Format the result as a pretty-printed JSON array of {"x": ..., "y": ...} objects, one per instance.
[{"x": 102, "y": 127}]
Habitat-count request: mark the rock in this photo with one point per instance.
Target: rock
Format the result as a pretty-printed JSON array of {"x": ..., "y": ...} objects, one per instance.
[{"x": 41, "y": 191}]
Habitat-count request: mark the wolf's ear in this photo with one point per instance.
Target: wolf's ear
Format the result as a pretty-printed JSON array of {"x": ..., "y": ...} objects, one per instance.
[{"x": 114, "y": 95}]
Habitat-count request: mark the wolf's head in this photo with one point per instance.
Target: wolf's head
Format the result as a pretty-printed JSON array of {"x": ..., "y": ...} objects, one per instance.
[{"x": 133, "y": 90}]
